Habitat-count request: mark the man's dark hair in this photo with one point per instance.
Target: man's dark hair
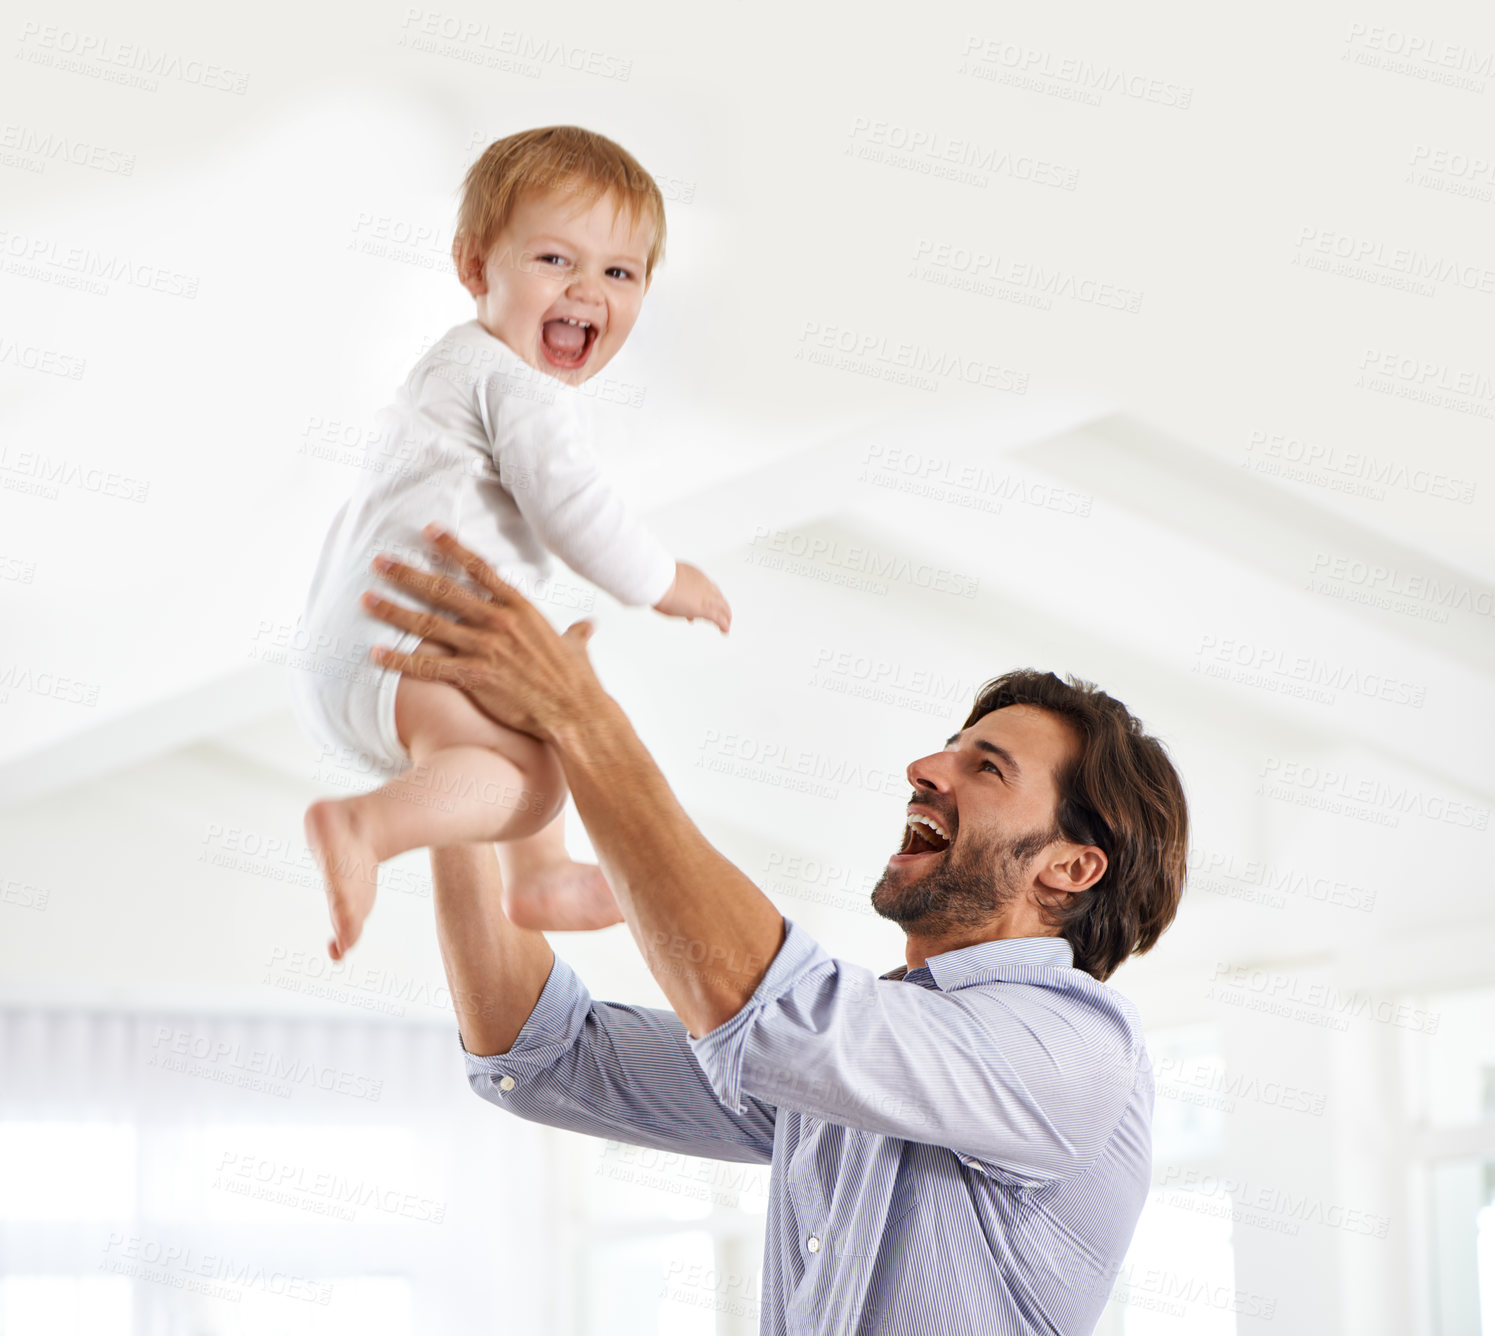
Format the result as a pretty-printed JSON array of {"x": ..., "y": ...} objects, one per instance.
[{"x": 1121, "y": 794}]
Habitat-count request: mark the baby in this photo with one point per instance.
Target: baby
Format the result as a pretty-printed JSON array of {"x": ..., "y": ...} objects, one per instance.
[{"x": 557, "y": 237}]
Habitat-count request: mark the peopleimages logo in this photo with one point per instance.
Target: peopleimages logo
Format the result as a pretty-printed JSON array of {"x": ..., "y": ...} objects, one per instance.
[
  {"x": 802, "y": 553},
  {"x": 988, "y": 271},
  {"x": 212, "y": 1275},
  {"x": 1377, "y": 257},
  {"x": 134, "y": 64},
  {"x": 1278, "y": 452},
  {"x": 512, "y": 50},
  {"x": 325, "y": 1192},
  {"x": 231, "y": 1063},
  {"x": 871, "y": 353},
  {"x": 42, "y": 257},
  {"x": 1231, "y": 875},
  {"x": 1275, "y": 992},
  {"x": 801, "y": 769},
  {"x": 1210, "y": 1086},
  {"x": 1340, "y": 792},
  {"x": 1427, "y": 598},
  {"x": 1275, "y": 669},
  {"x": 964, "y": 483},
  {"x": 1002, "y": 60},
  {"x": 1289, "y": 1208}
]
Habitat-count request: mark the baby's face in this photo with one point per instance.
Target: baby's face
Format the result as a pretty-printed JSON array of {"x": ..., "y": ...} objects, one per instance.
[{"x": 563, "y": 283}]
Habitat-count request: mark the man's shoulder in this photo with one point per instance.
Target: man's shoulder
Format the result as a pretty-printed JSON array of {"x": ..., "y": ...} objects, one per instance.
[{"x": 1059, "y": 998}]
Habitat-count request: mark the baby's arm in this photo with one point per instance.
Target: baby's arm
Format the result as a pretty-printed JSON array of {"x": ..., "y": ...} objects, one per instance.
[
  {"x": 694, "y": 595},
  {"x": 545, "y": 460}
]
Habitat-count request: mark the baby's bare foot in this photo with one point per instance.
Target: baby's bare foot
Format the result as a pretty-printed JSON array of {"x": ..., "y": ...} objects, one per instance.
[
  {"x": 343, "y": 851},
  {"x": 562, "y": 896}
]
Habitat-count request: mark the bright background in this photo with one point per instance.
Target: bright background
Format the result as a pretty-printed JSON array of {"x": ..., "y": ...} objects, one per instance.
[{"x": 1208, "y": 421}]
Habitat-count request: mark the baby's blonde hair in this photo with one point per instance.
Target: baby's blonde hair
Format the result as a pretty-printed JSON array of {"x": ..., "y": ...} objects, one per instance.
[{"x": 555, "y": 157}]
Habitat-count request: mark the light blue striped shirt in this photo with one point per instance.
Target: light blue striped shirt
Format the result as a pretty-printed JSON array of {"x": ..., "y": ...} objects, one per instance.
[{"x": 966, "y": 1157}]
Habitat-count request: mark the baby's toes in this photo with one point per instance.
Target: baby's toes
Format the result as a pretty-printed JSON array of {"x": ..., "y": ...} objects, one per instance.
[{"x": 348, "y": 913}]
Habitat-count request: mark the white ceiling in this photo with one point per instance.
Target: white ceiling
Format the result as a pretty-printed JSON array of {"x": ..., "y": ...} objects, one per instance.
[{"x": 160, "y": 607}]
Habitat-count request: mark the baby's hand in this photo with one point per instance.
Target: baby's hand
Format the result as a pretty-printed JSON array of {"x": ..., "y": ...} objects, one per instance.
[{"x": 693, "y": 595}]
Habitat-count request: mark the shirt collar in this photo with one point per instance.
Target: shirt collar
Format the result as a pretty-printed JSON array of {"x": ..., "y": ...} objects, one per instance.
[{"x": 952, "y": 969}]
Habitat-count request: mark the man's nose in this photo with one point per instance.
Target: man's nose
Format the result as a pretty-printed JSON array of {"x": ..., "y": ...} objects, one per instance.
[{"x": 930, "y": 772}]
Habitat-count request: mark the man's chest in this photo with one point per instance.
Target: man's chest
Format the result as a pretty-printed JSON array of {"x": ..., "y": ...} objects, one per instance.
[{"x": 836, "y": 1174}]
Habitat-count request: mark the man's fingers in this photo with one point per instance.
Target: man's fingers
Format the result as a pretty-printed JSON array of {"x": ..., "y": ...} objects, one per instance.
[
  {"x": 427, "y": 625},
  {"x": 441, "y": 590},
  {"x": 476, "y": 568},
  {"x": 425, "y": 667}
]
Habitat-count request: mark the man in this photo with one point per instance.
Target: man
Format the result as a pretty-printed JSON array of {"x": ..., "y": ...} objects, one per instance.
[{"x": 968, "y": 1155}]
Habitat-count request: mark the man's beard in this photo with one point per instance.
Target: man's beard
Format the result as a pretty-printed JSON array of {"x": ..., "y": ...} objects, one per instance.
[{"x": 966, "y": 893}]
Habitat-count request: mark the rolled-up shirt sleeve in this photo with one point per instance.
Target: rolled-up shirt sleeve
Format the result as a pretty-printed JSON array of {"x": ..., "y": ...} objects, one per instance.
[
  {"x": 1030, "y": 1082},
  {"x": 722, "y": 1051},
  {"x": 613, "y": 1070}
]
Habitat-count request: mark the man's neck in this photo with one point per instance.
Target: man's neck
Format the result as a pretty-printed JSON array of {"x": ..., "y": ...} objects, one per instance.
[{"x": 920, "y": 946}]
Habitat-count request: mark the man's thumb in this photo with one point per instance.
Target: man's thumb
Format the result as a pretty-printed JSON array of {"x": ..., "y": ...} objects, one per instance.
[{"x": 580, "y": 632}]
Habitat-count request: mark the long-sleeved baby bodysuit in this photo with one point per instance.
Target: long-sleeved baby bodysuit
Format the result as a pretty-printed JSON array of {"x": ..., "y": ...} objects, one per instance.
[{"x": 499, "y": 454}]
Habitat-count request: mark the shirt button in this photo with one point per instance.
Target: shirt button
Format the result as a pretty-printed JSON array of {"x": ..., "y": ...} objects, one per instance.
[
  {"x": 812, "y": 1243},
  {"x": 506, "y": 1083}
]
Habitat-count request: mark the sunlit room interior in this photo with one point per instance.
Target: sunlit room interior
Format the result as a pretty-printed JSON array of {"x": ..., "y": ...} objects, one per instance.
[{"x": 1168, "y": 414}]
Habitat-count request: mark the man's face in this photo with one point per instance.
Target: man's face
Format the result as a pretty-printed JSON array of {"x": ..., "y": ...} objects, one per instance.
[
  {"x": 992, "y": 794},
  {"x": 563, "y": 283}
]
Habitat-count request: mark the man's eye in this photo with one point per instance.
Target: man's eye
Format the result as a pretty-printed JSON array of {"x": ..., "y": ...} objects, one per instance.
[{"x": 990, "y": 765}]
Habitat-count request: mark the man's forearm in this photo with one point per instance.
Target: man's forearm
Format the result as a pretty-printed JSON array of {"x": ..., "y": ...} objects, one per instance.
[
  {"x": 495, "y": 971},
  {"x": 706, "y": 932}
]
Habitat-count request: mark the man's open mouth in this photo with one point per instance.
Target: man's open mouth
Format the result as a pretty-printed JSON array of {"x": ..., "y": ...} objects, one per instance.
[
  {"x": 923, "y": 837},
  {"x": 567, "y": 341}
]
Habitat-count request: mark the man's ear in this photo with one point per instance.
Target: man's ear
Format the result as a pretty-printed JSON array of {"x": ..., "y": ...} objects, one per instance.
[{"x": 1071, "y": 868}]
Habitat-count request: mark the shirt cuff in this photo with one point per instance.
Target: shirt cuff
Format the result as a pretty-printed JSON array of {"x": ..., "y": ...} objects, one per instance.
[
  {"x": 720, "y": 1052},
  {"x": 551, "y": 1029},
  {"x": 664, "y": 577},
  {"x": 648, "y": 584}
]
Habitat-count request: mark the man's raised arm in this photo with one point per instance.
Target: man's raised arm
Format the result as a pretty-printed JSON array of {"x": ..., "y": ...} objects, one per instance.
[
  {"x": 495, "y": 971},
  {"x": 707, "y": 933}
]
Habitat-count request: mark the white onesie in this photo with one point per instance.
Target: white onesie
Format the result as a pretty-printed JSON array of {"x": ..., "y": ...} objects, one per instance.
[{"x": 500, "y": 455}]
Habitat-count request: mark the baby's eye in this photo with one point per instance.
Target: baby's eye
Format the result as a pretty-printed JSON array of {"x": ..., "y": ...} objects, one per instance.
[
  {"x": 545, "y": 259},
  {"x": 620, "y": 272}
]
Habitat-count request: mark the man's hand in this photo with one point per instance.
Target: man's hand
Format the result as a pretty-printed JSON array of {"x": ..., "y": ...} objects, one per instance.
[{"x": 506, "y": 656}]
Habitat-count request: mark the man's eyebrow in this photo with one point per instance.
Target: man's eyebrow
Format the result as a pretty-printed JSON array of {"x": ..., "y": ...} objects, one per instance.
[{"x": 982, "y": 744}]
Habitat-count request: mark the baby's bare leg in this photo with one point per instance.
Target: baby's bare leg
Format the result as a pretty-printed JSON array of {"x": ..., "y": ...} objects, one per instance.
[
  {"x": 544, "y": 887},
  {"x": 473, "y": 780}
]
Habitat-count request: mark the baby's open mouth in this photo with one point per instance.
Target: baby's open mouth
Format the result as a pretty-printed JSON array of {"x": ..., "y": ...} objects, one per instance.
[{"x": 567, "y": 341}]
